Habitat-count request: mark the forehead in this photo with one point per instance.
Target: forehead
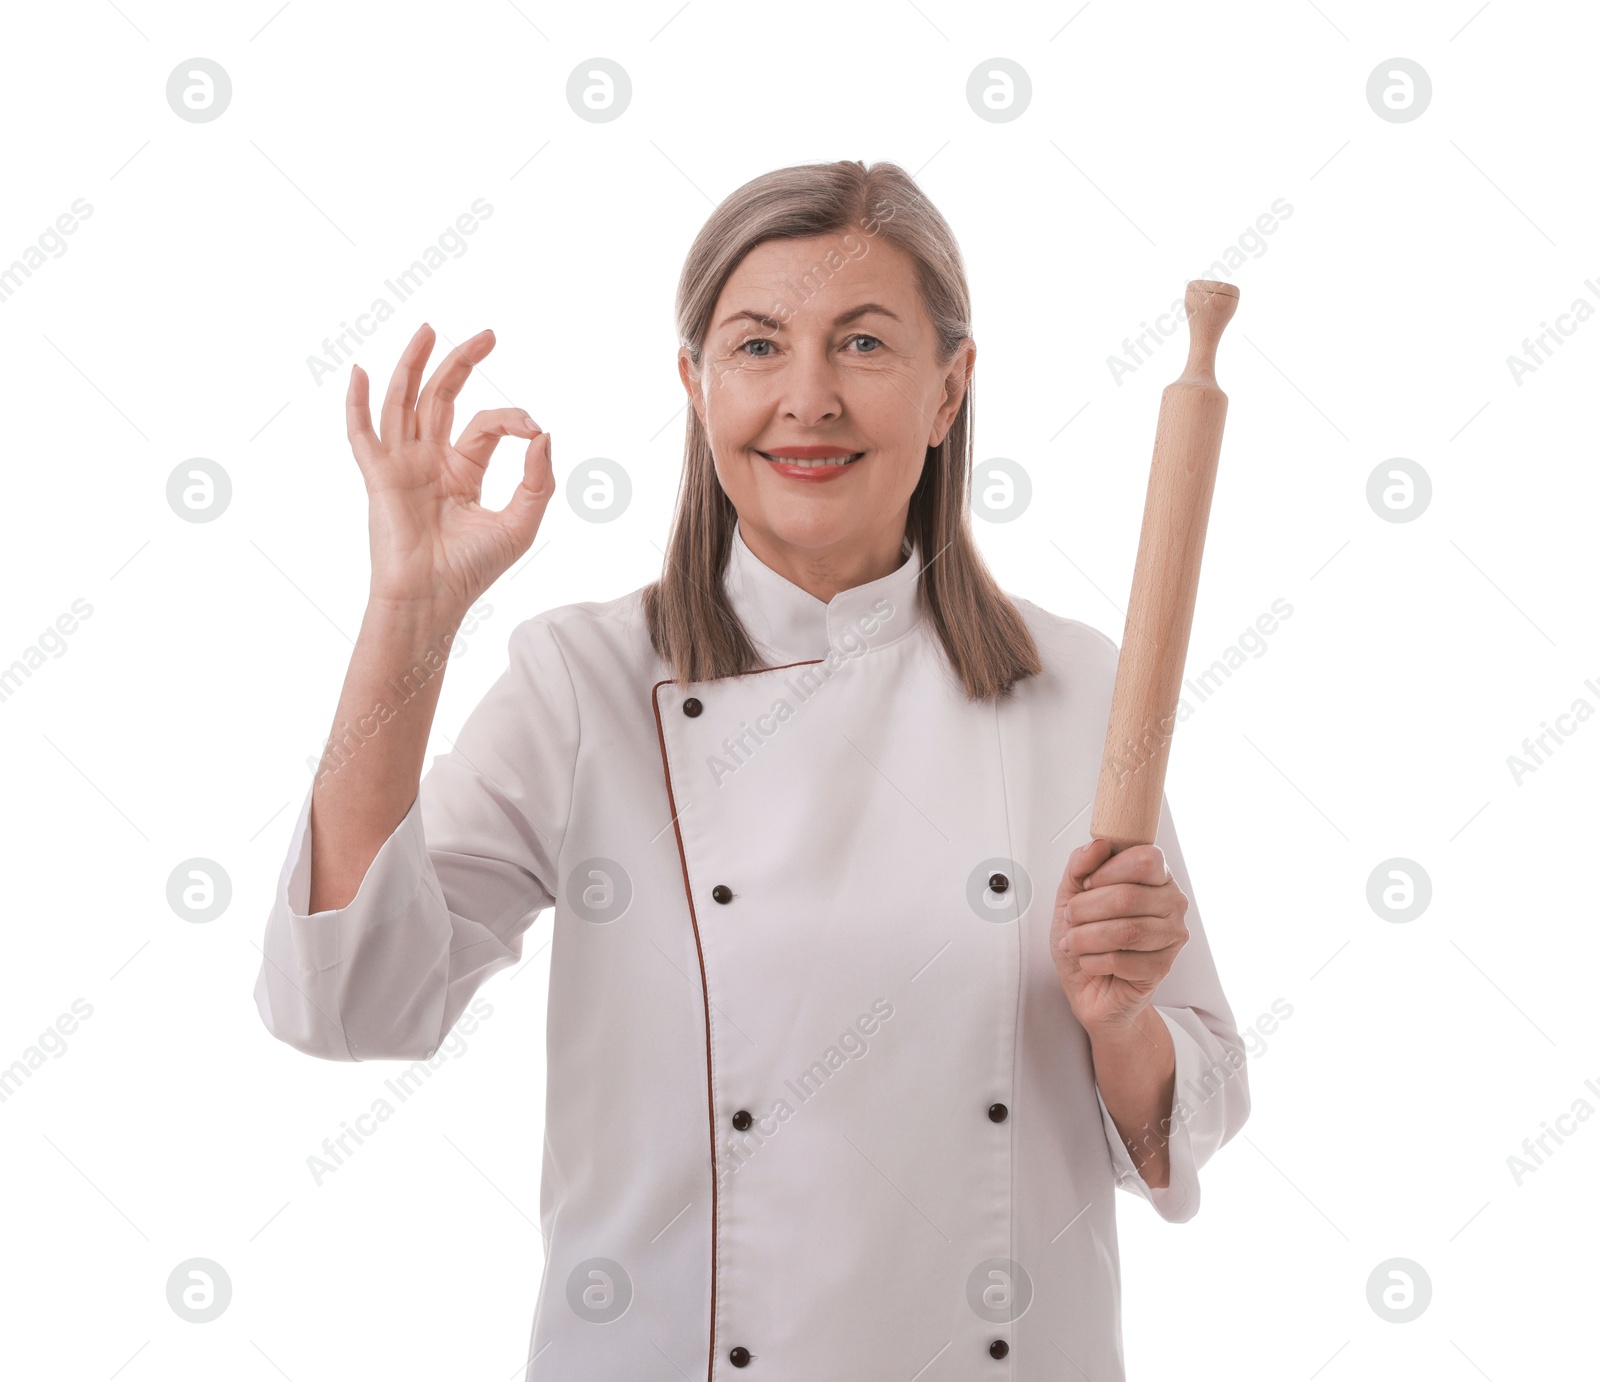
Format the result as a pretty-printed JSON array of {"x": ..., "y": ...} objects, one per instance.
[{"x": 818, "y": 276}]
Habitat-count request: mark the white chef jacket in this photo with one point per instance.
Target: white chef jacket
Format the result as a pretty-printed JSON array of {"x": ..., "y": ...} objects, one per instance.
[{"x": 817, "y": 1105}]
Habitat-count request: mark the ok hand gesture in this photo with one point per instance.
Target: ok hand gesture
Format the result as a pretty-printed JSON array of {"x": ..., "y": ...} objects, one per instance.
[{"x": 435, "y": 549}]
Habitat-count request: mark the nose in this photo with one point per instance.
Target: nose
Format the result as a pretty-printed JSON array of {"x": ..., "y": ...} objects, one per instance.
[{"x": 809, "y": 389}]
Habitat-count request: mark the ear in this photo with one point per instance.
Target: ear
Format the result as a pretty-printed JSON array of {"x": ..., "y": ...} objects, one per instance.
[
  {"x": 691, "y": 383},
  {"x": 956, "y": 380}
]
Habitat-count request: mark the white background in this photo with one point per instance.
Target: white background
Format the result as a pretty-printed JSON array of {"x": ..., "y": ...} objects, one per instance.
[{"x": 183, "y": 714}]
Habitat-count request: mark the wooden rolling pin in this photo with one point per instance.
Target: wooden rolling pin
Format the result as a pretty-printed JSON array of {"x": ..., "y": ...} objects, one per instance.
[{"x": 1166, "y": 574}]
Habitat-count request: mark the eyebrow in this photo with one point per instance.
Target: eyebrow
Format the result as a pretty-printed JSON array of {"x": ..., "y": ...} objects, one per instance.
[{"x": 773, "y": 324}]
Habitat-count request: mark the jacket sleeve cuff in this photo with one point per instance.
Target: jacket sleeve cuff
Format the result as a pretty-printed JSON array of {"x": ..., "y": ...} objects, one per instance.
[
  {"x": 1209, "y": 1103},
  {"x": 301, "y": 990},
  {"x": 404, "y": 849}
]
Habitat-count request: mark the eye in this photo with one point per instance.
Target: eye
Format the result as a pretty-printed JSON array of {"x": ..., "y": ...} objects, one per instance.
[{"x": 769, "y": 341}]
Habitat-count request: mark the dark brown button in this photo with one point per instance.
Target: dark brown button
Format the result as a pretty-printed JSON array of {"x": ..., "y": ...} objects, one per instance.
[
  {"x": 998, "y": 882},
  {"x": 722, "y": 893},
  {"x": 738, "y": 1355},
  {"x": 742, "y": 1119},
  {"x": 692, "y": 707},
  {"x": 999, "y": 1348},
  {"x": 997, "y": 1113}
]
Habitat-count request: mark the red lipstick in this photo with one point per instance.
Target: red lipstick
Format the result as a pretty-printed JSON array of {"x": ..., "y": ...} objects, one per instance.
[{"x": 826, "y": 462}]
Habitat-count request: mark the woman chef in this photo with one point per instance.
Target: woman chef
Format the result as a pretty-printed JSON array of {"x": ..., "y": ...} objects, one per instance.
[{"x": 853, "y": 1029}]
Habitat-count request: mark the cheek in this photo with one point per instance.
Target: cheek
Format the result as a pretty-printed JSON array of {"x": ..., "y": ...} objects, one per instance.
[
  {"x": 736, "y": 378},
  {"x": 894, "y": 402},
  {"x": 725, "y": 372},
  {"x": 731, "y": 407}
]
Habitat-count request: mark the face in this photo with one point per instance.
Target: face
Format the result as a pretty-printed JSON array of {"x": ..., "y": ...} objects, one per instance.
[{"x": 848, "y": 371}]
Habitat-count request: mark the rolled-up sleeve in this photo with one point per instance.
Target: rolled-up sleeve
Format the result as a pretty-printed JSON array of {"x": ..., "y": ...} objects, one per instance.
[
  {"x": 1211, "y": 1091},
  {"x": 445, "y": 902}
]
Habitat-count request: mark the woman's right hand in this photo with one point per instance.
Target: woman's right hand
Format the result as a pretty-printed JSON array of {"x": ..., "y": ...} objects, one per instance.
[{"x": 435, "y": 549}]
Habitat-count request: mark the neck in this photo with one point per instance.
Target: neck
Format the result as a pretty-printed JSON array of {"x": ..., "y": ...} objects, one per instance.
[{"x": 822, "y": 572}]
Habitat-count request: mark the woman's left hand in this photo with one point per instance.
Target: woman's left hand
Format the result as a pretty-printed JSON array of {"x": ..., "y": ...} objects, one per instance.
[{"x": 1117, "y": 928}]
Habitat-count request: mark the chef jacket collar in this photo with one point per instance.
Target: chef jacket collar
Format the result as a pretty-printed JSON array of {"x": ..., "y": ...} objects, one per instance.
[{"x": 789, "y": 624}]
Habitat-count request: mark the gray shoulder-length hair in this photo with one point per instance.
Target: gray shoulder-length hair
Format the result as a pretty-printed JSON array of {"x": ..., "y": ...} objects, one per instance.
[{"x": 692, "y": 625}]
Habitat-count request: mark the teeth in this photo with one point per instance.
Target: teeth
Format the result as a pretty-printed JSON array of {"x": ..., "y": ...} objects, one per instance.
[{"x": 830, "y": 460}]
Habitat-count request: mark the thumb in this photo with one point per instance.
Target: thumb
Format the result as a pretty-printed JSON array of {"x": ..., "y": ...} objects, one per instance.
[
  {"x": 525, "y": 509},
  {"x": 1083, "y": 861}
]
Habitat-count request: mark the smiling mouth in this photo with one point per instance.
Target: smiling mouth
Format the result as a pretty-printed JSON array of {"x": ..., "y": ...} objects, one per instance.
[{"x": 821, "y": 461}]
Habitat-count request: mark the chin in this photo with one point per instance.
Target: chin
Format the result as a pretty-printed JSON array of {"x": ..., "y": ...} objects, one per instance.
[{"x": 805, "y": 521}]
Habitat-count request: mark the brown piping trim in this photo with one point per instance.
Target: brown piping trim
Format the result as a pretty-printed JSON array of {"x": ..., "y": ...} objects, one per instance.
[{"x": 705, "y": 988}]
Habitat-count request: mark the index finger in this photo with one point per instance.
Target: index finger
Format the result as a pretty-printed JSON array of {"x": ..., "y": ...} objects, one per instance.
[{"x": 1135, "y": 864}]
